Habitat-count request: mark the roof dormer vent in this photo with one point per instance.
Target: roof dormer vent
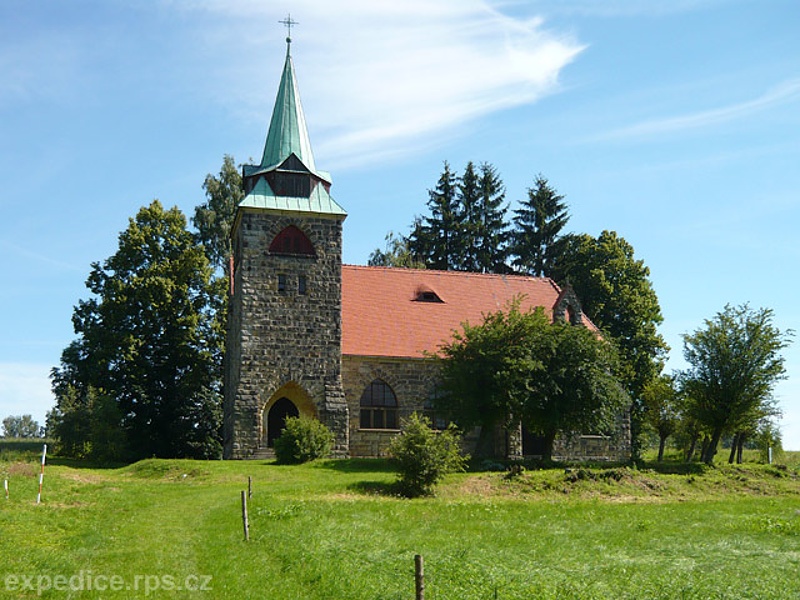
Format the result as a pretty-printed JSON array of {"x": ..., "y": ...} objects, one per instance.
[{"x": 426, "y": 294}]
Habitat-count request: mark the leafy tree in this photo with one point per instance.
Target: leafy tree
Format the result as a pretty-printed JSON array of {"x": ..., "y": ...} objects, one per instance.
[
  {"x": 554, "y": 377},
  {"x": 768, "y": 436},
  {"x": 20, "y": 427},
  {"x": 214, "y": 221},
  {"x": 214, "y": 218},
  {"x": 396, "y": 254},
  {"x": 617, "y": 295},
  {"x": 661, "y": 409},
  {"x": 475, "y": 392},
  {"x": 689, "y": 432},
  {"x": 149, "y": 340},
  {"x": 434, "y": 239},
  {"x": 303, "y": 439},
  {"x": 567, "y": 385},
  {"x": 69, "y": 422},
  {"x": 88, "y": 425},
  {"x": 425, "y": 456},
  {"x": 734, "y": 363},
  {"x": 535, "y": 240}
]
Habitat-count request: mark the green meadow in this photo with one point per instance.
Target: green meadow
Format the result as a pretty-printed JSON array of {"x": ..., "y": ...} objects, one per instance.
[{"x": 333, "y": 529}]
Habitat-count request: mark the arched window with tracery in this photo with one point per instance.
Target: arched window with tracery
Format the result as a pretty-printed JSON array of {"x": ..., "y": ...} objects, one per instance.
[
  {"x": 292, "y": 241},
  {"x": 379, "y": 407}
]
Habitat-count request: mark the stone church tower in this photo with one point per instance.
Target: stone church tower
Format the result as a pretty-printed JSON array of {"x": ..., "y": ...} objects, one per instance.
[{"x": 284, "y": 347}]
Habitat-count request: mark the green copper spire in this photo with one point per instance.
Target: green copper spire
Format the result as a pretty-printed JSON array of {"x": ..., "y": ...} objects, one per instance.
[
  {"x": 287, "y": 179},
  {"x": 287, "y": 130}
]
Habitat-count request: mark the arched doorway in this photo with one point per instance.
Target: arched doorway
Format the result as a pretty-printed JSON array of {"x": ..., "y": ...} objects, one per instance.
[{"x": 276, "y": 418}]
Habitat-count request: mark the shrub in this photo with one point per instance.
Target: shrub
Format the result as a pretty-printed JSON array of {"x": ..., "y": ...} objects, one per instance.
[
  {"x": 302, "y": 440},
  {"x": 424, "y": 456}
]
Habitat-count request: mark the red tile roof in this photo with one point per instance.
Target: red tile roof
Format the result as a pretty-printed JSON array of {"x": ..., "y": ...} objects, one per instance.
[{"x": 382, "y": 316}]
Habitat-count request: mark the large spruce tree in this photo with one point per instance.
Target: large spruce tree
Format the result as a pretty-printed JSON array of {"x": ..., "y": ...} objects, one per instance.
[
  {"x": 466, "y": 229},
  {"x": 535, "y": 240},
  {"x": 434, "y": 238}
]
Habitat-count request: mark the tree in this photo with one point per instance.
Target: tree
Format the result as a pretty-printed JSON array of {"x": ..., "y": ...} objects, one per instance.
[
  {"x": 535, "y": 240},
  {"x": 425, "y": 456},
  {"x": 661, "y": 409},
  {"x": 20, "y": 427},
  {"x": 567, "y": 385},
  {"x": 490, "y": 237},
  {"x": 553, "y": 377},
  {"x": 467, "y": 207},
  {"x": 466, "y": 229},
  {"x": 734, "y": 364},
  {"x": 475, "y": 392},
  {"x": 149, "y": 340},
  {"x": 214, "y": 221},
  {"x": 396, "y": 254},
  {"x": 88, "y": 425},
  {"x": 433, "y": 240},
  {"x": 769, "y": 441},
  {"x": 214, "y": 218},
  {"x": 617, "y": 295}
]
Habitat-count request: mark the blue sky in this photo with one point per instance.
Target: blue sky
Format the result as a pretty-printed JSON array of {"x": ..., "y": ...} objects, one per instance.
[{"x": 675, "y": 123}]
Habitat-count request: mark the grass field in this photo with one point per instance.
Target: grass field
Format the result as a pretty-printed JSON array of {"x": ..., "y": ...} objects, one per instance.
[{"x": 333, "y": 530}]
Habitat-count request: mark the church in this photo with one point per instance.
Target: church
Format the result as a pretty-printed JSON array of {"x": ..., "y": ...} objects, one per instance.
[{"x": 348, "y": 345}]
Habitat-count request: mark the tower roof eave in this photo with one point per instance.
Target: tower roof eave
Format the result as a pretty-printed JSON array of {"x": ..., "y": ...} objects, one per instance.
[{"x": 319, "y": 202}]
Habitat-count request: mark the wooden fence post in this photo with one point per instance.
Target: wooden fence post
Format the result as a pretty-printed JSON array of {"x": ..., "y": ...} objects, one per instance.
[
  {"x": 419, "y": 577},
  {"x": 249, "y": 486},
  {"x": 41, "y": 475},
  {"x": 245, "y": 521}
]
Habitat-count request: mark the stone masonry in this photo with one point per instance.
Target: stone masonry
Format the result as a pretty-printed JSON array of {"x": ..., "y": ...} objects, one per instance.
[{"x": 284, "y": 339}]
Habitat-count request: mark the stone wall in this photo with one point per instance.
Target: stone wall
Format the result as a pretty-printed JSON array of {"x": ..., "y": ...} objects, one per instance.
[
  {"x": 612, "y": 447},
  {"x": 412, "y": 380},
  {"x": 415, "y": 380},
  {"x": 277, "y": 337}
]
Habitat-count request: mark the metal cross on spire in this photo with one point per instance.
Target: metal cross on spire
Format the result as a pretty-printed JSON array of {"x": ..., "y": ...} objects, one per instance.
[{"x": 289, "y": 22}]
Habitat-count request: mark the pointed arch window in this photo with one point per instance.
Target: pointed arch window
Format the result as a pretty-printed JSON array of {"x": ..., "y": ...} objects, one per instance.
[
  {"x": 292, "y": 241},
  {"x": 378, "y": 407}
]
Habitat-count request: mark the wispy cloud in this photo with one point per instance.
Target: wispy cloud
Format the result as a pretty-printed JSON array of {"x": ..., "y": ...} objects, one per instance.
[
  {"x": 788, "y": 91},
  {"x": 629, "y": 8},
  {"x": 377, "y": 77}
]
